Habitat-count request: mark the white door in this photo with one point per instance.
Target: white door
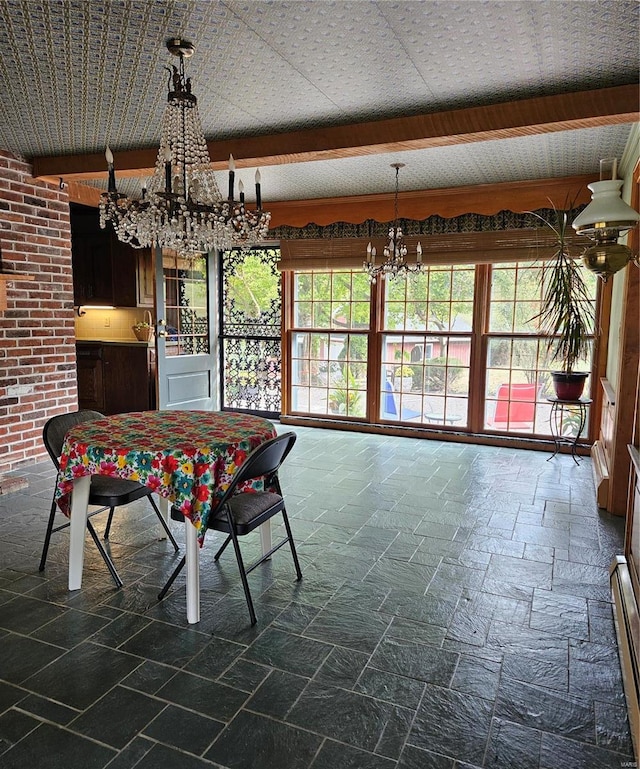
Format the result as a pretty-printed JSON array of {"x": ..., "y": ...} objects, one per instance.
[{"x": 185, "y": 307}]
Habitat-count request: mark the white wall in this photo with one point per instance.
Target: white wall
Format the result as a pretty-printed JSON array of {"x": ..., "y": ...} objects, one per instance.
[{"x": 628, "y": 163}]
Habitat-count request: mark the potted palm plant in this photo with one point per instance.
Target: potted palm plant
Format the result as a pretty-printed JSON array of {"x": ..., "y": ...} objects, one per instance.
[{"x": 566, "y": 311}]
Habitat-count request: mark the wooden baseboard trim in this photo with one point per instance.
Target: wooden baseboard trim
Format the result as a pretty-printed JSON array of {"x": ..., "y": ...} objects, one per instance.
[{"x": 600, "y": 474}]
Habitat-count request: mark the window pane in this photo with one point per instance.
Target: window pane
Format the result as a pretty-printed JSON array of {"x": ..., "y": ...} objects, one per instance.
[
  {"x": 303, "y": 283},
  {"x": 331, "y": 300},
  {"x": 425, "y": 379},
  {"x": 329, "y": 374},
  {"x": 302, "y": 314},
  {"x": 361, "y": 314},
  {"x": 185, "y": 288},
  {"x": 321, "y": 314},
  {"x": 439, "y": 299}
]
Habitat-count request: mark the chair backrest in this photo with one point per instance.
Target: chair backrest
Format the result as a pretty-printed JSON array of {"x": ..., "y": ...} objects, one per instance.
[
  {"x": 265, "y": 460},
  {"x": 516, "y": 403},
  {"x": 56, "y": 428}
]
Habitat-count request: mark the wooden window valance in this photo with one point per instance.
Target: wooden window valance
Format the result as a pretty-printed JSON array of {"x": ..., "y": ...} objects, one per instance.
[{"x": 454, "y": 248}]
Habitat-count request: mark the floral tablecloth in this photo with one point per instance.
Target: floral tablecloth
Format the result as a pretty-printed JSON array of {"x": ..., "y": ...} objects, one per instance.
[{"x": 186, "y": 456}]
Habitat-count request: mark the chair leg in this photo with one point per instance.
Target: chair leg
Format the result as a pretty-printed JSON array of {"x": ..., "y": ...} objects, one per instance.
[
  {"x": 291, "y": 545},
  {"x": 222, "y": 549},
  {"x": 243, "y": 577},
  {"x": 47, "y": 537},
  {"x": 172, "y": 578},
  {"x": 165, "y": 526},
  {"x": 104, "y": 554},
  {"x": 109, "y": 519}
]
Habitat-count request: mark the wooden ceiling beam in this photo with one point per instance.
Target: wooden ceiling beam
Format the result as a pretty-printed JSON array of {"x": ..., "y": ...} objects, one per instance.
[
  {"x": 83, "y": 193},
  {"x": 528, "y": 117},
  {"x": 484, "y": 199}
]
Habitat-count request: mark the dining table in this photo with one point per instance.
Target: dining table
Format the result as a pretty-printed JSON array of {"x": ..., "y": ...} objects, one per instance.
[{"x": 186, "y": 457}]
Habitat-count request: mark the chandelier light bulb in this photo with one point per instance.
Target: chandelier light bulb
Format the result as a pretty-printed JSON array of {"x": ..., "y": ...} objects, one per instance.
[{"x": 258, "y": 191}]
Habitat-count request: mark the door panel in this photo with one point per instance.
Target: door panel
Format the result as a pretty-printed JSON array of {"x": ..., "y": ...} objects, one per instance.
[
  {"x": 251, "y": 331},
  {"x": 187, "y": 368},
  {"x": 187, "y": 388}
]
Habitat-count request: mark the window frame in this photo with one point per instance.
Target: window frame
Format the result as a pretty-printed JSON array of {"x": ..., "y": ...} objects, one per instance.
[{"x": 480, "y": 338}]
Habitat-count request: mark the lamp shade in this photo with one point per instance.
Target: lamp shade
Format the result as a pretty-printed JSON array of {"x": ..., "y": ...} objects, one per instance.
[{"x": 607, "y": 210}]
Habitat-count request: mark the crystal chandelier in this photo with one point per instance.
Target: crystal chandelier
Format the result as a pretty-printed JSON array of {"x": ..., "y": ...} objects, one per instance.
[
  {"x": 395, "y": 252},
  {"x": 182, "y": 208}
]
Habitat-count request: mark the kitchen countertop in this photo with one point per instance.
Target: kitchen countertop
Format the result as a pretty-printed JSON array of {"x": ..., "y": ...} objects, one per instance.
[{"x": 133, "y": 342}]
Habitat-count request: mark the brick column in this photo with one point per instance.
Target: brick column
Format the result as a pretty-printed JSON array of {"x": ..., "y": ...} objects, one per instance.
[{"x": 37, "y": 337}]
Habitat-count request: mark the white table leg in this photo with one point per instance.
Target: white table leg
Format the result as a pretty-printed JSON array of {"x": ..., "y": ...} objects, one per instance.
[
  {"x": 193, "y": 571},
  {"x": 265, "y": 537},
  {"x": 78, "y": 528},
  {"x": 163, "y": 506}
]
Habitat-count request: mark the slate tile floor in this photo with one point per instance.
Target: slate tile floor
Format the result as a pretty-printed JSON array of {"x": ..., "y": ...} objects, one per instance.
[{"x": 454, "y": 612}]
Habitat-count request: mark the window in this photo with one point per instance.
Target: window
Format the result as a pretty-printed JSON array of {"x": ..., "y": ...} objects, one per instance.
[
  {"x": 186, "y": 304},
  {"x": 426, "y": 346},
  {"x": 329, "y": 360},
  {"x": 518, "y": 365},
  {"x": 455, "y": 347}
]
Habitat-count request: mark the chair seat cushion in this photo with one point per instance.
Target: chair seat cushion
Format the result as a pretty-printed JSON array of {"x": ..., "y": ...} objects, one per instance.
[
  {"x": 248, "y": 506},
  {"x": 105, "y": 490},
  {"x": 245, "y": 508}
]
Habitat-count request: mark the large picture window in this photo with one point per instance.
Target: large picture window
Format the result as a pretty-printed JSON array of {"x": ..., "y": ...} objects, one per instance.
[{"x": 455, "y": 347}]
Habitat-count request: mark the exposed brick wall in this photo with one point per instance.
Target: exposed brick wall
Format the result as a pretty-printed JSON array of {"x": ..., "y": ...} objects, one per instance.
[{"x": 37, "y": 344}]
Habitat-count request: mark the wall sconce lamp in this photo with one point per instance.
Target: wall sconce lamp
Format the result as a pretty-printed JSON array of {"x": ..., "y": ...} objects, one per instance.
[{"x": 604, "y": 220}]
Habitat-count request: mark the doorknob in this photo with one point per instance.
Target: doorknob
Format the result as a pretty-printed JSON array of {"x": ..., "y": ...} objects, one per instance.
[{"x": 161, "y": 327}]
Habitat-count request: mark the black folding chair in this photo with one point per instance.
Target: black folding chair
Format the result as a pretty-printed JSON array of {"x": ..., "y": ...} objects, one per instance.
[
  {"x": 105, "y": 492},
  {"x": 239, "y": 513}
]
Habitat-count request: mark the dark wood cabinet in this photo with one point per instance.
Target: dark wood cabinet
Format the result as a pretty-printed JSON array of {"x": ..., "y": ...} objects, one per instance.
[
  {"x": 105, "y": 271},
  {"x": 89, "y": 372},
  {"x": 146, "y": 277},
  {"x": 115, "y": 378},
  {"x": 91, "y": 259}
]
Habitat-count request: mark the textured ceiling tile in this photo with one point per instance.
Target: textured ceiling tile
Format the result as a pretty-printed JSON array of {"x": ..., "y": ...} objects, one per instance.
[{"x": 78, "y": 74}]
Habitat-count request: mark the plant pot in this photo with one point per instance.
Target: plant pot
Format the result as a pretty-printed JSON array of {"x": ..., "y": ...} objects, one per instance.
[{"x": 569, "y": 385}]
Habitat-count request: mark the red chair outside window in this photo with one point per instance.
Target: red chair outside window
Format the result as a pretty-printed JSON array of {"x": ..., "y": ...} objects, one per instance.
[{"x": 515, "y": 407}]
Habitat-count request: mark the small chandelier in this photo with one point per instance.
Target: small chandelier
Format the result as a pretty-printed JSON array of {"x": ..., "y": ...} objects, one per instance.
[
  {"x": 395, "y": 252},
  {"x": 182, "y": 208},
  {"x": 604, "y": 220}
]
